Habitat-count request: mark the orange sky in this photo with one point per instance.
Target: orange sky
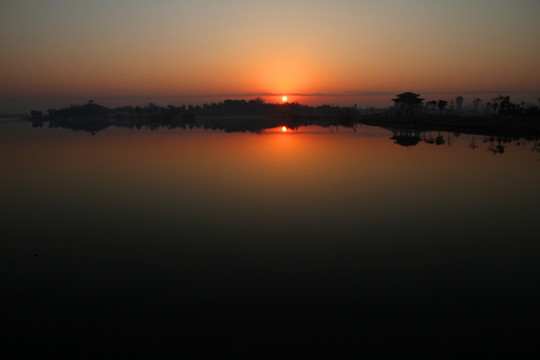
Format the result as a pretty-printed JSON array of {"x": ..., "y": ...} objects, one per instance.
[{"x": 59, "y": 52}]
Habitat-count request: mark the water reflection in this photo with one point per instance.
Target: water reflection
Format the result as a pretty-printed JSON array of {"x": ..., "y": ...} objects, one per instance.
[
  {"x": 495, "y": 144},
  {"x": 402, "y": 136},
  {"x": 234, "y": 238}
]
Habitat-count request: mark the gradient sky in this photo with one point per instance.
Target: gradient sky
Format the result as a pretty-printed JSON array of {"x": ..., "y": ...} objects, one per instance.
[{"x": 58, "y": 51}]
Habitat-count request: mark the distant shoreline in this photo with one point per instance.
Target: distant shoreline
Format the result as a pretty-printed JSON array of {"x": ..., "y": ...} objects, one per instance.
[{"x": 256, "y": 115}]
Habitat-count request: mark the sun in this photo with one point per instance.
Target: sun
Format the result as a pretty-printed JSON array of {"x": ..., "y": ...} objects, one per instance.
[
  {"x": 284, "y": 98},
  {"x": 283, "y": 128}
]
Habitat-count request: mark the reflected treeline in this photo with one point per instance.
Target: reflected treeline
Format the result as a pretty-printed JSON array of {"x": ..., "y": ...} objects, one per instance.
[
  {"x": 495, "y": 143},
  {"x": 256, "y": 116},
  {"x": 230, "y": 115}
]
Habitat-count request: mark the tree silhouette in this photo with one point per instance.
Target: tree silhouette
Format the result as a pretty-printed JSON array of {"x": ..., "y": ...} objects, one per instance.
[
  {"x": 498, "y": 148},
  {"x": 473, "y": 145},
  {"x": 35, "y": 113},
  {"x": 441, "y": 104},
  {"x": 431, "y": 104},
  {"x": 495, "y": 103},
  {"x": 459, "y": 103},
  {"x": 476, "y": 102},
  {"x": 536, "y": 146},
  {"x": 504, "y": 103},
  {"x": 439, "y": 140}
]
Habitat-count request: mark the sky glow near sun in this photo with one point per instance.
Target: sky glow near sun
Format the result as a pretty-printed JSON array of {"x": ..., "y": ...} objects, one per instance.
[{"x": 72, "y": 51}]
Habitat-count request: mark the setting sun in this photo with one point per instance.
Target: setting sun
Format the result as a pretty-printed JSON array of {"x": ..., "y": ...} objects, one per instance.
[
  {"x": 283, "y": 128},
  {"x": 283, "y": 98}
]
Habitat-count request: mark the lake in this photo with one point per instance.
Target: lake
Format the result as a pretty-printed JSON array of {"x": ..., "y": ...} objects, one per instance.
[{"x": 183, "y": 241}]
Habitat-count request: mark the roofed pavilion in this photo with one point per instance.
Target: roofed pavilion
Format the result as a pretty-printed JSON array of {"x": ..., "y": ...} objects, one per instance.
[
  {"x": 408, "y": 99},
  {"x": 407, "y": 103}
]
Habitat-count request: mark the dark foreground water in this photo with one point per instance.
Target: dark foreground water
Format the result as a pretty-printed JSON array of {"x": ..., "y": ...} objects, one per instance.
[{"x": 180, "y": 242}]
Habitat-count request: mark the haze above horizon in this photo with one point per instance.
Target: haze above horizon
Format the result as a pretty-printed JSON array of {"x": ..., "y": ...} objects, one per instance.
[{"x": 60, "y": 52}]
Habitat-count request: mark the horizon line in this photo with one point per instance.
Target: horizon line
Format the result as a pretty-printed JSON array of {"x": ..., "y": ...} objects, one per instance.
[
  {"x": 313, "y": 94},
  {"x": 318, "y": 94}
]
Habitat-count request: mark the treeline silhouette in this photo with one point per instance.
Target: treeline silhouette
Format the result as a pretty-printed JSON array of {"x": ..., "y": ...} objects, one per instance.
[
  {"x": 409, "y": 103},
  {"x": 230, "y": 115},
  {"x": 499, "y": 116},
  {"x": 256, "y": 116}
]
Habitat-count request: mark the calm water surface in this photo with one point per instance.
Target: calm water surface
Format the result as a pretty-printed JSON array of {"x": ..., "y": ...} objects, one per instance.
[{"x": 194, "y": 239}]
